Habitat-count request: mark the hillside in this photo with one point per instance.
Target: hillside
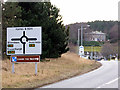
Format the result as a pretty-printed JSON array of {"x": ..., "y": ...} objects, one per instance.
[{"x": 108, "y": 27}]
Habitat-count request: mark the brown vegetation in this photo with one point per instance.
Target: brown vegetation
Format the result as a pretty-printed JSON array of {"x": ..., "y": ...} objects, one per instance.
[{"x": 51, "y": 71}]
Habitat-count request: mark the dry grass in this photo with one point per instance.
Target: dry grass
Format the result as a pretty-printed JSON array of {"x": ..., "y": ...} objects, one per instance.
[{"x": 48, "y": 72}]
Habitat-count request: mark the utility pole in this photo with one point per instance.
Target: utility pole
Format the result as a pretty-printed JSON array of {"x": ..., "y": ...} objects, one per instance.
[
  {"x": 80, "y": 48},
  {"x": 81, "y": 35},
  {"x": 78, "y": 40}
]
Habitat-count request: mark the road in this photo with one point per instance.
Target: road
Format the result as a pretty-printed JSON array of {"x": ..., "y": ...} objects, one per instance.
[{"x": 104, "y": 77}]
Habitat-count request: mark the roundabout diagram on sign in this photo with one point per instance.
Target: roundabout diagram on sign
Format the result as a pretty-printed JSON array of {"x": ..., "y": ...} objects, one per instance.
[{"x": 23, "y": 40}]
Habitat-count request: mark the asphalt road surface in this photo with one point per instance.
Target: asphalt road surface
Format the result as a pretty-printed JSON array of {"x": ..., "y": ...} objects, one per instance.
[{"x": 104, "y": 77}]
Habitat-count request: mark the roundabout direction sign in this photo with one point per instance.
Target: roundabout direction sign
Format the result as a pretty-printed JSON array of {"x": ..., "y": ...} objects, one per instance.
[
  {"x": 24, "y": 41},
  {"x": 24, "y": 44}
]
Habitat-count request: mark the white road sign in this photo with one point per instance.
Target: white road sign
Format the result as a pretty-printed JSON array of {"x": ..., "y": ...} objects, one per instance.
[
  {"x": 24, "y": 40},
  {"x": 81, "y": 50}
]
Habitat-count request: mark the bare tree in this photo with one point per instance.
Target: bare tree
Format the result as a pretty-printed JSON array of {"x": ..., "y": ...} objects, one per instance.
[{"x": 108, "y": 49}]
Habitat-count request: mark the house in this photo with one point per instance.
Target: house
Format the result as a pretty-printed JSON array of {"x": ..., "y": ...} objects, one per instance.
[{"x": 95, "y": 36}]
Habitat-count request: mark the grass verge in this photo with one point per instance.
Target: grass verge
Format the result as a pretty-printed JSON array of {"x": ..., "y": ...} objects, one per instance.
[
  {"x": 95, "y": 48},
  {"x": 53, "y": 70}
]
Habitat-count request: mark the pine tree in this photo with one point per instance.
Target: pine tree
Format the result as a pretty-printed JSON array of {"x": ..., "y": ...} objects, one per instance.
[
  {"x": 11, "y": 17},
  {"x": 44, "y": 14}
]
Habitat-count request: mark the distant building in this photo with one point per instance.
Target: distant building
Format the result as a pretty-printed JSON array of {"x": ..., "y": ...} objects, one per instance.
[{"x": 95, "y": 36}]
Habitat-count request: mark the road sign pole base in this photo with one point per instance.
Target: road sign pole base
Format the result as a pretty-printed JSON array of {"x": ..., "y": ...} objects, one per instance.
[
  {"x": 13, "y": 71},
  {"x": 35, "y": 68}
]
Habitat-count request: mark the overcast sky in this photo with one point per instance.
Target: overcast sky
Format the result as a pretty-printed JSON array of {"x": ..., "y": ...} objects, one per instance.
[
  {"x": 87, "y": 10},
  {"x": 74, "y": 11}
]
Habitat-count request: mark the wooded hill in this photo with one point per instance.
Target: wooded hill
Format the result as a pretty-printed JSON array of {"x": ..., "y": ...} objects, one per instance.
[{"x": 108, "y": 27}]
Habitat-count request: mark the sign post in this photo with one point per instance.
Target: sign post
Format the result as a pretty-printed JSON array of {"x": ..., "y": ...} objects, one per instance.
[
  {"x": 24, "y": 44},
  {"x": 13, "y": 71},
  {"x": 35, "y": 68},
  {"x": 19, "y": 59}
]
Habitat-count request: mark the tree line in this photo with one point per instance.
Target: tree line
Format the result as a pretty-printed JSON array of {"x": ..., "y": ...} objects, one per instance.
[
  {"x": 25, "y": 14},
  {"x": 108, "y": 27}
]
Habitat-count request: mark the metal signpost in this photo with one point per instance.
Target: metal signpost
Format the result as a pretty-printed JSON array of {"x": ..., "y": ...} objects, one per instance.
[{"x": 23, "y": 43}]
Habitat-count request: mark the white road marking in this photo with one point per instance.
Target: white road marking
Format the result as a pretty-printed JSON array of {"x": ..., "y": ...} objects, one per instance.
[
  {"x": 112, "y": 81},
  {"x": 108, "y": 82}
]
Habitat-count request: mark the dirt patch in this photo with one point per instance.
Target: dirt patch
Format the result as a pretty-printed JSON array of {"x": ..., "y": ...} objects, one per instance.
[{"x": 51, "y": 71}]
